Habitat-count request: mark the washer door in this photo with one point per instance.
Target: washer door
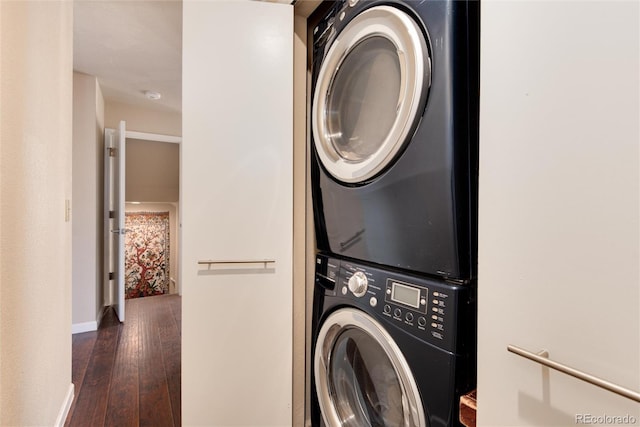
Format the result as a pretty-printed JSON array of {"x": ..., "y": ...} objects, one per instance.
[
  {"x": 371, "y": 86},
  {"x": 362, "y": 378}
]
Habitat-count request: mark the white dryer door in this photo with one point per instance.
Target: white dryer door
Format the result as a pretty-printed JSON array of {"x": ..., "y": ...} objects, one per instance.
[
  {"x": 362, "y": 378},
  {"x": 371, "y": 86}
]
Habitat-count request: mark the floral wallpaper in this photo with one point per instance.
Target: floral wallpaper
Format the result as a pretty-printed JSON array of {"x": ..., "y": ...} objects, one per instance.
[{"x": 146, "y": 254}]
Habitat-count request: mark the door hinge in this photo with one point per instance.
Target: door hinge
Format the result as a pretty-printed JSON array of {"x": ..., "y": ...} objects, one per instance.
[
  {"x": 111, "y": 275},
  {"x": 112, "y": 214},
  {"x": 111, "y": 151}
]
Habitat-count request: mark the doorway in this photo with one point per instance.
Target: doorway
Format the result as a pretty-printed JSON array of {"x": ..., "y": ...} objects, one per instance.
[
  {"x": 141, "y": 208},
  {"x": 151, "y": 216}
]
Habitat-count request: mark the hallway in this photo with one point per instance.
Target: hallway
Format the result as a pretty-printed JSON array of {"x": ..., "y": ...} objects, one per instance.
[{"x": 129, "y": 374}]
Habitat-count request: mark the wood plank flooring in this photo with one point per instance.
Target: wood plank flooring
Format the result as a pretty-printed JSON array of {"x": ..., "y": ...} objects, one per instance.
[{"x": 129, "y": 374}]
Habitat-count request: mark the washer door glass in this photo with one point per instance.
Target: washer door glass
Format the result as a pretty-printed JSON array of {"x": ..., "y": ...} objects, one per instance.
[
  {"x": 363, "y": 383},
  {"x": 371, "y": 87},
  {"x": 362, "y": 378}
]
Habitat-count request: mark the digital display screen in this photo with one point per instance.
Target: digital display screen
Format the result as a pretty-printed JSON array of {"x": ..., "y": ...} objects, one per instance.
[{"x": 405, "y": 294}]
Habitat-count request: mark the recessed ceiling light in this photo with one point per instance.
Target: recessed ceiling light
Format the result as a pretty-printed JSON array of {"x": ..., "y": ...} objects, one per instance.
[{"x": 152, "y": 95}]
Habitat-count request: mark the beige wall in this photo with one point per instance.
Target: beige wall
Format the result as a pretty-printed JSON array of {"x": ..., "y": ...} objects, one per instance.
[
  {"x": 88, "y": 169},
  {"x": 173, "y": 235},
  {"x": 152, "y": 171},
  {"x": 304, "y": 238},
  {"x": 36, "y": 42},
  {"x": 299, "y": 216},
  {"x": 152, "y": 167},
  {"x": 143, "y": 119}
]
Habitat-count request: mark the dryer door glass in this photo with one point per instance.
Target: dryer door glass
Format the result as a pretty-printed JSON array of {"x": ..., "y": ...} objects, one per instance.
[
  {"x": 362, "y": 104},
  {"x": 362, "y": 377},
  {"x": 370, "y": 93}
]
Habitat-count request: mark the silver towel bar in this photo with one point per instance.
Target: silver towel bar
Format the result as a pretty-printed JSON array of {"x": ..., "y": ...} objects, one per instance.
[
  {"x": 265, "y": 262},
  {"x": 542, "y": 359}
]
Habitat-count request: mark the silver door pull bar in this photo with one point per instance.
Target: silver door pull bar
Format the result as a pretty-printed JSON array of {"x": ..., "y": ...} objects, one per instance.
[
  {"x": 541, "y": 359},
  {"x": 265, "y": 262}
]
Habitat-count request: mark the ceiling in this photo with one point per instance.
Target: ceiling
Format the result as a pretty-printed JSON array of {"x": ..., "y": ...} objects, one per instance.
[{"x": 131, "y": 47}]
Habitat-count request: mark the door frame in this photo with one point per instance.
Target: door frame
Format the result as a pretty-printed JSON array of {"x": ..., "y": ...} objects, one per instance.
[{"x": 108, "y": 289}]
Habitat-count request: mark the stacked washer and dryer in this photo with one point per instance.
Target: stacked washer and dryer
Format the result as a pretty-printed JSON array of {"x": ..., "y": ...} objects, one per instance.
[{"x": 394, "y": 174}]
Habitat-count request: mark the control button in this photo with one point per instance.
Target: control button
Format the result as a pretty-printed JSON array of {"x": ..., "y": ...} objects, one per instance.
[
  {"x": 389, "y": 291},
  {"x": 435, "y": 301},
  {"x": 434, "y": 325},
  {"x": 434, "y": 317},
  {"x": 344, "y": 290},
  {"x": 409, "y": 317},
  {"x": 423, "y": 301},
  {"x": 435, "y": 294},
  {"x": 342, "y": 15},
  {"x": 373, "y": 301},
  {"x": 434, "y": 309},
  {"x": 422, "y": 321},
  {"x": 353, "y": 2},
  {"x": 397, "y": 312},
  {"x": 358, "y": 283},
  {"x": 387, "y": 308}
]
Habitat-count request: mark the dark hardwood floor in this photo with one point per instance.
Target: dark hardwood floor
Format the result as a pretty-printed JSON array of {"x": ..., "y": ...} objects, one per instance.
[{"x": 129, "y": 374}]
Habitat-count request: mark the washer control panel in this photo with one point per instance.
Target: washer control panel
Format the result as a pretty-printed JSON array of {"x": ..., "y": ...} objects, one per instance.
[
  {"x": 426, "y": 308},
  {"x": 358, "y": 284},
  {"x": 412, "y": 296}
]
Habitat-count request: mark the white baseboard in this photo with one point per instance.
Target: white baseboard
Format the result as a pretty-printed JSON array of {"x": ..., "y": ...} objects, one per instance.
[
  {"x": 78, "y": 328},
  {"x": 64, "y": 410}
]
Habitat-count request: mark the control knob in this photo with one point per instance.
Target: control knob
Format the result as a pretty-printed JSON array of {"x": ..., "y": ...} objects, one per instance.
[{"x": 358, "y": 284}]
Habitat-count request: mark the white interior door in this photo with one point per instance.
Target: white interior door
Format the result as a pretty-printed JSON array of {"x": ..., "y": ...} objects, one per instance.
[
  {"x": 114, "y": 190},
  {"x": 559, "y": 215},
  {"x": 236, "y": 206}
]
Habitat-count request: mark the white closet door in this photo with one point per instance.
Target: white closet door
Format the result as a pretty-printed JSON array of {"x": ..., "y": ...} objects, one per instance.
[
  {"x": 559, "y": 244},
  {"x": 237, "y": 206}
]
